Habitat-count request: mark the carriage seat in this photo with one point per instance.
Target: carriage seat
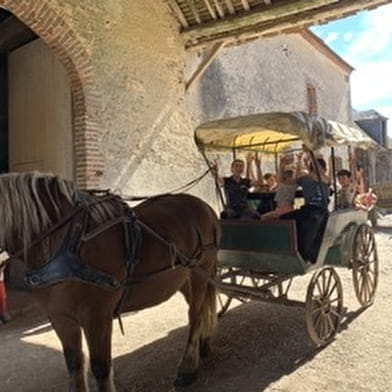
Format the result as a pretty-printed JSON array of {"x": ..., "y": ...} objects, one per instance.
[
  {"x": 259, "y": 236},
  {"x": 264, "y": 246}
]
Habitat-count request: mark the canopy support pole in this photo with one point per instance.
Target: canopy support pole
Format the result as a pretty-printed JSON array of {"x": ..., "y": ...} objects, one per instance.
[
  {"x": 217, "y": 186},
  {"x": 333, "y": 168}
]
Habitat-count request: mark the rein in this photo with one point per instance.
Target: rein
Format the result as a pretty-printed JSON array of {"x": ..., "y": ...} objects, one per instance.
[{"x": 183, "y": 188}]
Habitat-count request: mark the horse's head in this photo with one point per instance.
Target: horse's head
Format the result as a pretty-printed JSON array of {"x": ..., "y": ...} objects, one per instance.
[{"x": 29, "y": 204}]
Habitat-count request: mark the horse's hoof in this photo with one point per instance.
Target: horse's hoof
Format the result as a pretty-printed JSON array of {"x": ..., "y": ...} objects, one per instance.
[{"x": 185, "y": 379}]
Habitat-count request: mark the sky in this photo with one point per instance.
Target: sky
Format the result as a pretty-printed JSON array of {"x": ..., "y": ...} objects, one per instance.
[{"x": 365, "y": 42}]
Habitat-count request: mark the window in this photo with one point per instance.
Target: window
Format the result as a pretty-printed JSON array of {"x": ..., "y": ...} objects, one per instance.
[{"x": 312, "y": 99}]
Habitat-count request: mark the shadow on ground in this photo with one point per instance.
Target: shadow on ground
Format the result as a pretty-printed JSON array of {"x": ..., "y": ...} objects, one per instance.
[
  {"x": 256, "y": 345},
  {"x": 27, "y": 366}
]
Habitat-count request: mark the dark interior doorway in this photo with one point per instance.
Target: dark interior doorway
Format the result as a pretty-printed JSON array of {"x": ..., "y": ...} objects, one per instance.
[
  {"x": 13, "y": 34},
  {"x": 3, "y": 115}
]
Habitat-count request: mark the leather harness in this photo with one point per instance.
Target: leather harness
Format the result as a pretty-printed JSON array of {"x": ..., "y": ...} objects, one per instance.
[{"x": 66, "y": 263}]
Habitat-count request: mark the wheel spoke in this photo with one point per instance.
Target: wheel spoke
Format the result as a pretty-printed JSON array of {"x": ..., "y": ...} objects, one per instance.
[
  {"x": 316, "y": 320},
  {"x": 361, "y": 288},
  {"x": 334, "y": 312},
  {"x": 331, "y": 324},
  {"x": 323, "y": 282},
  {"x": 327, "y": 289},
  {"x": 370, "y": 278},
  {"x": 319, "y": 288},
  {"x": 321, "y": 328},
  {"x": 332, "y": 289},
  {"x": 326, "y": 328},
  {"x": 370, "y": 287},
  {"x": 370, "y": 248},
  {"x": 318, "y": 309}
]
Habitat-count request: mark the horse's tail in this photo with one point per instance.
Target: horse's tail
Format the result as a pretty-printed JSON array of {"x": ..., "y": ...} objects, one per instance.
[
  {"x": 208, "y": 315},
  {"x": 209, "y": 318}
]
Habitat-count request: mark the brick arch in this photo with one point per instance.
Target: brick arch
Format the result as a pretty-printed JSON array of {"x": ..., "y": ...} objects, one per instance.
[{"x": 40, "y": 17}]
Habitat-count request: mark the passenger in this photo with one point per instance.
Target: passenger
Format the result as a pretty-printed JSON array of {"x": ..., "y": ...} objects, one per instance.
[
  {"x": 266, "y": 188},
  {"x": 236, "y": 189},
  {"x": 311, "y": 219},
  {"x": 285, "y": 191},
  {"x": 347, "y": 192},
  {"x": 351, "y": 184},
  {"x": 270, "y": 182},
  {"x": 266, "y": 182}
]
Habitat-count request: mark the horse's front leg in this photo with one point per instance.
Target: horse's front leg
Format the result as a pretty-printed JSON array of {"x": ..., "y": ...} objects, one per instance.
[
  {"x": 97, "y": 327},
  {"x": 69, "y": 332}
]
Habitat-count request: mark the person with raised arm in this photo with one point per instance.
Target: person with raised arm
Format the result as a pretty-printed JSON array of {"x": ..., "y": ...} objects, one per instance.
[{"x": 236, "y": 189}]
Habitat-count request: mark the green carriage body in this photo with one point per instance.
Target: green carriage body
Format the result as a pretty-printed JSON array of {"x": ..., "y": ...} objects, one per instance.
[{"x": 271, "y": 246}]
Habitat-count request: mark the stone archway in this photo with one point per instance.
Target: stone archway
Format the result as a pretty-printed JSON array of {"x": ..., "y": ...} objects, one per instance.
[{"x": 40, "y": 17}]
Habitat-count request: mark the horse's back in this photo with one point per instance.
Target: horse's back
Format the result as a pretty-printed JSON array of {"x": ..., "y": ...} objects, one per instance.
[{"x": 180, "y": 208}]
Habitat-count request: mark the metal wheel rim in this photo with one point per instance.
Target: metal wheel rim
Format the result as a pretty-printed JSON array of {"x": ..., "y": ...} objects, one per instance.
[
  {"x": 324, "y": 306},
  {"x": 365, "y": 265}
]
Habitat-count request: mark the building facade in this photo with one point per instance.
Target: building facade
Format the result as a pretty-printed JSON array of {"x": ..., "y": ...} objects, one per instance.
[{"x": 120, "y": 114}]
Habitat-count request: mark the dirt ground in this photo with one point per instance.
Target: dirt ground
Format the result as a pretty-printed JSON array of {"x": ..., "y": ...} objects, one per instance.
[{"x": 258, "y": 347}]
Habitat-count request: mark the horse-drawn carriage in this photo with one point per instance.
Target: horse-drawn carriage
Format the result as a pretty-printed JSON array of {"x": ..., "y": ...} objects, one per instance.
[
  {"x": 91, "y": 257},
  {"x": 259, "y": 259}
]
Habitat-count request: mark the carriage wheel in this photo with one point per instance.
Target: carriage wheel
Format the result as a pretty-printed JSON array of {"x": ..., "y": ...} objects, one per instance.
[
  {"x": 373, "y": 217},
  {"x": 324, "y": 305},
  {"x": 226, "y": 275},
  {"x": 223, "y": 300},
  {"x": 365, "y": 265}
]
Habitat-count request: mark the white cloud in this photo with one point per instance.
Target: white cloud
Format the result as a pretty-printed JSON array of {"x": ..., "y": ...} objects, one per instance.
[
  {"x": 369, "y": 51},
  {"x": 333, "y": 36},
  {"x": 347, "y": 37},
  {"x": 372, "y": 82},
  {"x": 375, "y": 37}
]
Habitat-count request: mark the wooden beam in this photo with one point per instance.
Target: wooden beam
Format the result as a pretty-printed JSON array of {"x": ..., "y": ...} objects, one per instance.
[
  {"x": 177, "y": 11},
  {"x": 13, "y": 33},
  {"x": 261, "y": 15},
  {"x": 194, "y": 10},
  {"x": 230, "y": 6},
  {"x": 204, "y": 65},
  {"x": 219, "y": 8},
  {"x": 245, "y": 4},
  {"x": 276, "y": 19},
  {"x": 210, "y": 9}
]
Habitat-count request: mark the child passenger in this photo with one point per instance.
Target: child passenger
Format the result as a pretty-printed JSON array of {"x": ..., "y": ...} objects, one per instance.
[
  {"x": 285, "y": 191},
  {"x": 347, "y": 191}
]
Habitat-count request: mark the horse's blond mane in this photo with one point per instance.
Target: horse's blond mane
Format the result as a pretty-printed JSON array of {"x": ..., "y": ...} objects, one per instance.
[{"x": 23, "y": 214}]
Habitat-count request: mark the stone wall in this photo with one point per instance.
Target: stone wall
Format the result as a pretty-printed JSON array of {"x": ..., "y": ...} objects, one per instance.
[
  {"x": 133, "y": 121},
  {"x": 270, "y": 74},
  {"x": 138, "y": 56}
]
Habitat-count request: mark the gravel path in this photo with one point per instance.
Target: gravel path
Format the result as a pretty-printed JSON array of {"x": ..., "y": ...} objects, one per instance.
[{"x": 258, "y": 347}]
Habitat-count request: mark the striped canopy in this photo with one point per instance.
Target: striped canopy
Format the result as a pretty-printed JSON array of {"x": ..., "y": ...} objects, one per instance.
[{"x": 277, "y": 132}]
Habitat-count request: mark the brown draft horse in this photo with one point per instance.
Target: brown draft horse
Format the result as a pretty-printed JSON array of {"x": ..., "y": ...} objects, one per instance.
[{"x": 36, "y": 213}]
